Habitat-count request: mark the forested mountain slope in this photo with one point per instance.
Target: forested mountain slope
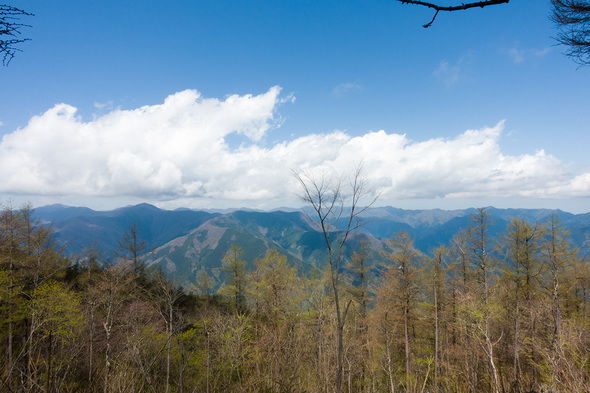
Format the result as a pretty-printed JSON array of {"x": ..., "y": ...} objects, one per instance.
[
  {"x": 184, "y": 241},
  {"x": 491, "y": 310}
]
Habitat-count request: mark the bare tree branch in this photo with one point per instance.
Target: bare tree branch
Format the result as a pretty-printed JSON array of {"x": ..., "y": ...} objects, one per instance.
[
  {"x": 450, "y": 8},
  {"x": 337, "y": 206},
  {"x": 10, "y": 26},
  {"x": 572, "y": 18}
]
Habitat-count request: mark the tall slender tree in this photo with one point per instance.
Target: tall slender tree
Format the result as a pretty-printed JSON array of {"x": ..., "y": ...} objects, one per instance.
[
  {"x": 523, "y": 268},
  {"x": 438, "y": 273},
  {"x": 401, "y": 287},
  {"x": 131, "y": 247},
  {"x": 557, "y": 254},
  {"x": 481, "y": 249},
  {"x": 337, "y": 207},
  {"x": 235, "y": 274},
  {"x": 360, "y": 280}
]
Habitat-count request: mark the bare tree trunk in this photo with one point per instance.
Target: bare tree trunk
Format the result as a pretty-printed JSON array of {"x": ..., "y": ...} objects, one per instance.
[
  {"x": 91, "y": 344},
  {"x": 388, "y": 354},
  {"x": 515, "y": 364},
  {"x": 340, "y": 331},
  {"x": 49, "y": 360},
  {"x": 168, "y": 348},
  {"x": 327, "y": 199},
  {"x": 533, "y": 335},
  {"x": 494, "y": 370},
  {"x": 558, "y": 251},
  {"x": 108, "y": 326},
  {"x": 29, "y": 348},
  {"x": 436, "y": 344},
  {"x": 407, "y": 346},
  {"x": 479, "y": 247},
  {"x": 9, "y": 364},
  {"x": 107, "y": 357},
  {"x": 208, "y": 361}
]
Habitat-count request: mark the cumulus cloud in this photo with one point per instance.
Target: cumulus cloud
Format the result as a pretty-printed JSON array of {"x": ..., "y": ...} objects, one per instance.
[
  {"x": 168, "y": 149},
  {"x": 177, "y": 151}
]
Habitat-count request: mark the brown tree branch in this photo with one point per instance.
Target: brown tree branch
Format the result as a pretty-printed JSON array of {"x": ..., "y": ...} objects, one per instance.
[
  {"x": 463, "y": 6},
  {"x": 10, "y": 26},
  {"x": 572, "y": 18}
]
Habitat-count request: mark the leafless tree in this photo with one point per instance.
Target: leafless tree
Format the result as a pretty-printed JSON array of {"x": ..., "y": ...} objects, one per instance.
[
  {"x": 10, "y": 31},
  {"x": 336, "y": 204},
  {"x": 572, "y": 18}
]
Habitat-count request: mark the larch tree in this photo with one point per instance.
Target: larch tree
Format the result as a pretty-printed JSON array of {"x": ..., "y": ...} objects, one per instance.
[
  {"x": 204, "y": 284},
  {"x": 273, "y": 286},
  {"x": 461, "y": 280},
  {"x": 112, "y": 291},
  {"x": 131, "y": 247},
  {"x": 359, "y": 287},
  {"x": 438, "y": 268},
  {"x": 10, "y": 255},
  {"x": 523, "y": 268},
  {"x": 401, "y": 288},
  {"x": 557, "y": 254},
  {"x": 30, "y": 258},
  {"x": 165, "y": 296},
  {"x": 235, "y": 275},
  {"x": 274, "y": 291},
  {"x": 55, "y": 321},
  {"x": 481, "y": 251},
  {"x": 359, "y": 271}
]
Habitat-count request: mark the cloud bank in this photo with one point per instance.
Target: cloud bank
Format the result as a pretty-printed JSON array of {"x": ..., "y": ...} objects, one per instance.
[{"x": 176, "y": 153}]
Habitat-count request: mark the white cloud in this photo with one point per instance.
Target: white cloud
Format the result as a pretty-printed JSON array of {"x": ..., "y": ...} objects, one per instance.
[
  {"x": 103, "y": 105},
  {"x": 519, "y": 55},
  {"x": 344, "y": 88},
  {"x": 175, "y": 153},
  {"x": 448, "y": 73}
]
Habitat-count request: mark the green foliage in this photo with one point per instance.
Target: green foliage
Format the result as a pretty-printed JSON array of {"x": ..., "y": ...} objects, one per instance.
[
  {"x": 428, "y": 328},
  {"x": 55, "y": 310},
  {"x": 273, "y": 286},
  {"x": 235, "y": 275}
]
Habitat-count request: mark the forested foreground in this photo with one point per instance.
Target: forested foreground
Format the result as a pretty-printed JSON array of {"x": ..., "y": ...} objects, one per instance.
[{"x": 482, "y": 314}]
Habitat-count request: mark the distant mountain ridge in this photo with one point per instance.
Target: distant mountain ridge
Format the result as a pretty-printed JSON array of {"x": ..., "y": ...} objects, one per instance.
[
  {"x": 79, "y": 228},
  {"x": 183, "y": 241}
]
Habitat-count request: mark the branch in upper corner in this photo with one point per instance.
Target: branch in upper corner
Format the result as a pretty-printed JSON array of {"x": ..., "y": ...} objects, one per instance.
[
  {"x": 10, "y": 26},
  {"x": 432, "y": 21},
  {"x": 572, "y": 18},
  {"x": 463, "y": 6}
]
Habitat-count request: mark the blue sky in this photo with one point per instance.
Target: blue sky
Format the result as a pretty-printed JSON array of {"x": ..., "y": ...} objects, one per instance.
[{"x": 213, "y": 104}]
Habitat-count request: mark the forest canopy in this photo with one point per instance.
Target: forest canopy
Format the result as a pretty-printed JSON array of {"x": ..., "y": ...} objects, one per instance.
[{"x": 487, "y": 312}]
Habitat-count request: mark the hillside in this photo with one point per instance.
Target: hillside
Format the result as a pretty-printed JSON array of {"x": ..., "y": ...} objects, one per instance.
[
  {"x": 182, "y": 242},
  {"x": 79, "y": 228}
]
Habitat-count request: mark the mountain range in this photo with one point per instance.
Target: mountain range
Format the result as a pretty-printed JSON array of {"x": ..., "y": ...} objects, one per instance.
[{"x": 184, "y": 241}]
